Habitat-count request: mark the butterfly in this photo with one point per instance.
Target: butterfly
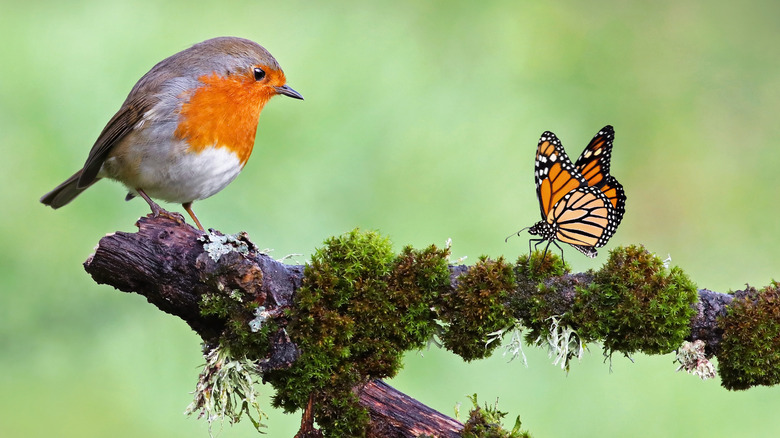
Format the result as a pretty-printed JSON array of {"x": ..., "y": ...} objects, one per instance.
[{"x": 581, "y": 203}]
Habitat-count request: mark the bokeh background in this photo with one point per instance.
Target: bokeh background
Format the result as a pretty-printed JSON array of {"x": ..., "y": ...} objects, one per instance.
[{"x": 421, "y": 121}]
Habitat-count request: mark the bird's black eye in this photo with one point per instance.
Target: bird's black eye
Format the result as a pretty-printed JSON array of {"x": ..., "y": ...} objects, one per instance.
[{"x": 259, "y": 73}]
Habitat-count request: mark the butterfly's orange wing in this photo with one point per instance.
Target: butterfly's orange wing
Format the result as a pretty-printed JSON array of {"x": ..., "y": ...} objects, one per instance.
[
  {"x": 583, "y": 218},
  {"x": 555, "y": 174},
  {"x": 594, "y": 163},
  {"x": 581, "y": 204}
]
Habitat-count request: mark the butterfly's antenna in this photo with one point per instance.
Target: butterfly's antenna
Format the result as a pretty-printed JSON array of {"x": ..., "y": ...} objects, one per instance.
[{"x": 517, "y": 234}]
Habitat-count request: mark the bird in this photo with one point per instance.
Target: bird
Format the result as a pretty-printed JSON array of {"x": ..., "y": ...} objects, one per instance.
[
  {"x": 581, "y": 203},
  {"x": 187, "y": 127}
]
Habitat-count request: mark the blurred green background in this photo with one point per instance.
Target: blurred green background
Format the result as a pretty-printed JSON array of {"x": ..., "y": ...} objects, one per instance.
[{"x": 421, "y": 121}]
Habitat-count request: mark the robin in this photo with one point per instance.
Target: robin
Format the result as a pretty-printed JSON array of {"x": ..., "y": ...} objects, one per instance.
[{"x": 187, "y": 127}]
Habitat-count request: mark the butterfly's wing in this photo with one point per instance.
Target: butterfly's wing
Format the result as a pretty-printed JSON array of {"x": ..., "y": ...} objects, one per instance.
[
  {"x": 585, "y": 219},
  {"x": 594, "y": 163},
  {"x": 554, "y": 173},
  {"x": 577, "y": 213}
]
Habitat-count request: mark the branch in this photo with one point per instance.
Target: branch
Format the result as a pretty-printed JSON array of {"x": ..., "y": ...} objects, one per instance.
[
  {"x": 167, "y": 262},
  {"x": 174, "y": 266},
  {"x": 395, "y": 414}
]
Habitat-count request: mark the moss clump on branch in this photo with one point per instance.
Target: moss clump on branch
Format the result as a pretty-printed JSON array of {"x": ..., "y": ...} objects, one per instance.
[
  {"x": 359, "y": 309},
  {"x": 226, "y": 386},
  {"x": 636, "y": 304},
  {"x": 750, "y": 350},
  {"x": 545, "y": 291},
  {"x": 234, "y": 299},
  {"x": 477, "y": 307},
  {"x": 485, "y": 422},
  {"x": 417, "y": 281},
  {"x": 633, "y": 303},
  {"x": 539, "y": 266},
  {"x": 238, "y": 310}
]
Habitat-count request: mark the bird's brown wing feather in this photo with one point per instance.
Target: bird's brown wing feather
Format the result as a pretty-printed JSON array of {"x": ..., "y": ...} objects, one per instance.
[{"x": 117, "y": 128}]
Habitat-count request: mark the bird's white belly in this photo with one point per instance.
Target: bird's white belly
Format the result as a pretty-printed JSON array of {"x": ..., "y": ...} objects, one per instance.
[{"x": 188, "y": 177}]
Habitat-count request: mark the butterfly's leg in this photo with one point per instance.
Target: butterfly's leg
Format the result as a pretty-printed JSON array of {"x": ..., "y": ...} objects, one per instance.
[
  {"x": 544, "y": 254},
  {"x": 559, "y": 247},
  {"x": 538, "y": 242}
]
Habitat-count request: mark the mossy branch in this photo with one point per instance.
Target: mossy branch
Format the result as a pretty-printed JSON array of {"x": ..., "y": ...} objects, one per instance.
[
  {"x": 205, "y": 282},
  {"x": 304, "y": 326}
]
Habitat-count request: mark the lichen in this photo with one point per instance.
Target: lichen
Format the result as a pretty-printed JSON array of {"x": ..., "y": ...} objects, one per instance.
[
  {"x": 226, "y": 390},
  {"x": 535, "y": 303},
  {"x": 262, "y": 315},
  {"x": 692, "y": 359},
  {"x": 216, "y": 244}
]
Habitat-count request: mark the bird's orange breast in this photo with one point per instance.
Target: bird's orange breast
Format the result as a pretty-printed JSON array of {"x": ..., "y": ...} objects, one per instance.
[{"x": 223, "y": 113}]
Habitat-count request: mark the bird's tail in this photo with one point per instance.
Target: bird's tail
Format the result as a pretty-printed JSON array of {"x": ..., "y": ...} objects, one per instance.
[{"x": 65, "y": 192}]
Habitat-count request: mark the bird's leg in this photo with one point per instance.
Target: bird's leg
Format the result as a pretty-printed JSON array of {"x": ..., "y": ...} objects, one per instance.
[
  {"x": 156, "y": 209},
  {"x": 188, "y": 206}
]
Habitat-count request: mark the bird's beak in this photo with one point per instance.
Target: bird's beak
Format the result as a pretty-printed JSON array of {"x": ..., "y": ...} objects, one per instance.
[{"x": 287, "y": 91}]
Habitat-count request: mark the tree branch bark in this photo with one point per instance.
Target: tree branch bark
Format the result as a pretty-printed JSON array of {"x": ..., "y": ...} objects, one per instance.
[
  {"x": 165, "y": 261},
  {"x": 169, "y": 263}
]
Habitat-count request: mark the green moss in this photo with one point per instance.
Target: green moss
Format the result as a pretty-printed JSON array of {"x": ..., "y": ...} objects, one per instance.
[
  {"x": 486, "y": 423},
  {"x": 477, "y": 307},
  {"x": 750, "y": 349},
  {"x": 542, "y": 305},
  {"x": 536, "y": 268},
  {"x": 359, "y": 308},
  {"x": 416, "y": 282},
  {"x": 238, "y": 311},
  {"x": 535, "y": 306},
  {"x": 635, "y": 304}
]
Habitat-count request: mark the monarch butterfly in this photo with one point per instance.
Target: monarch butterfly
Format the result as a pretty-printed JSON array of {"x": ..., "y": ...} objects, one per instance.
[{"x": 581, "y": 203}]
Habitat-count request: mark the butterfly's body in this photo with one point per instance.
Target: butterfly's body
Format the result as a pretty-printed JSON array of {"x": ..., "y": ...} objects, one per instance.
[{"x": 581, "y": 204}]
